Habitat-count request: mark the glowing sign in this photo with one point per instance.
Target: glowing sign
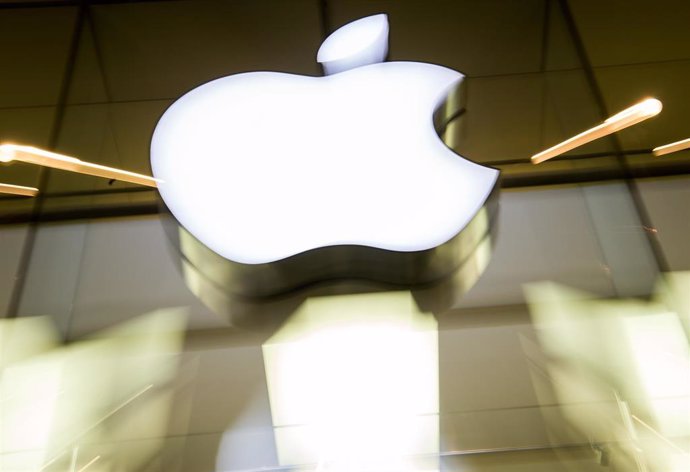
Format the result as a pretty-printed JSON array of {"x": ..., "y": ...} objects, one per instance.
[{"x": 264, "y": 166}]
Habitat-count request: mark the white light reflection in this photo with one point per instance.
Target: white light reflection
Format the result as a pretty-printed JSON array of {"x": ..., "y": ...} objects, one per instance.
[
  {"x": 630, "y": 116},
  {"x": 353, "y": 384},
  {"x": 672, "y": 147}
]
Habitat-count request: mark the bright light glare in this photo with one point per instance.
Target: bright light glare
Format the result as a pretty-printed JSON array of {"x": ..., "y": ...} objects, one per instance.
[
  {"x": 353, "y": 380},
  {"x": 356, "y": 44},
  {"x": 645, "y": 109},
  {"x": 626, "y": 352},
  {"x": 662, "y": 360},
  {"x": 262, "y": 166},
  {"x": 41, "y": 157},
  {"x": 672, "y": 147},
  {"x": 18, "y": 190},
  {"x": 628, "y": 117},
  {"x": 55, "y": 398},
  {"x": 29, "y": 399}
]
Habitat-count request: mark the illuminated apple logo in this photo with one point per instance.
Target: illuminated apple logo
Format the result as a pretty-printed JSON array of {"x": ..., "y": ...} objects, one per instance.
[{"x": 266, "y": 168}]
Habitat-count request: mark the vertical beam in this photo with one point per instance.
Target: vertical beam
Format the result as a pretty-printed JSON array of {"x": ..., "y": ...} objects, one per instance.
[
  {"x": 324, "y": 17},
  {"x": 44, "y": 173},
  {"x": 632, "y": 255},
  {"x": 645, "y": 221},
  {"x": 545, "y": 34}
]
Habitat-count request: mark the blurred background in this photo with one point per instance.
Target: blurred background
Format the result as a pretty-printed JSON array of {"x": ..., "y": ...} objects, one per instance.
[{"x": 544, "y": 364}]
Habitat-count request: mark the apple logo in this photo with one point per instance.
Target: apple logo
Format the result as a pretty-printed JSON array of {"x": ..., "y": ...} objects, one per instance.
[{"x": 280, "y": 180}]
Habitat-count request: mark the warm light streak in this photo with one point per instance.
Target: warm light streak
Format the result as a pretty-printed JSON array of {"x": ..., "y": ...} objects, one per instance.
[
  {"x": 88, "y": 464},
  {"x": 628, "y": 117},
  {"x": 18, "y": 190},
  {"x": 659, "y": 435},
  {"x": 41, "y": 157},
  {"x": 672, "y": 147}
]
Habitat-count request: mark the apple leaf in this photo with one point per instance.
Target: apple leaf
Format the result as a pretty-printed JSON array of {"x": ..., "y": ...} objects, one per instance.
[{"x": 362, "y": 42}]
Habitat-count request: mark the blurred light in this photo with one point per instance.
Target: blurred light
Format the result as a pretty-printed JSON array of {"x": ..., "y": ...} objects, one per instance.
[
  {"x": 353, "y": 384},
  {"x": 356, "y": 44},
  {"x": 32, "y": 155},
  {"x": 628, "y": 117},
  {"x": 96, "y": 394},
  {"x": 29, "y": 399},
  {"x": 672, "y": 147},
  {"x": 621, "y": 368},
  {"x": 18, "y": 190}
]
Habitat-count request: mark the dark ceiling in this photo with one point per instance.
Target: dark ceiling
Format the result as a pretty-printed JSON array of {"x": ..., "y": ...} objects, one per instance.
[{"x": 90, "y": 79}]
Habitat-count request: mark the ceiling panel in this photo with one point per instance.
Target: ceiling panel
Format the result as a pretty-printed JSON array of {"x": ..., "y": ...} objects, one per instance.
[
  {"x": 12, "y": 239},
  {"x": 134, "y": 53},
  {"x": 34, "y": 46},
  {"x": 544, "y": 234},
  {"x": 26, "y": 125},
  {"x": 133, "y": 125},
  {"x": 53, "y": 274},
  {"x": 503, "y": 119},
  {"x": 569, "y": 108},
  {"x": 239, "y": 369},
  {"x": 513, "y": 117},
  {"x": 476, "y": 38},
  {"x": 560, "y": 53},
  {"x": 625, "y": 85},
  {"x": 88, "y": 82},
  {"x": 116, "y": 134},
  {"x": 667, "y": 203},
  {"x": 466, "y": 381},
  {"x": 618, "y": 32},
  {"x": 28, "y": 3},
  {"x": 86, "y": 133},
  {"x": 127, "y": 269},
  {"x": 163, "y": 49}
]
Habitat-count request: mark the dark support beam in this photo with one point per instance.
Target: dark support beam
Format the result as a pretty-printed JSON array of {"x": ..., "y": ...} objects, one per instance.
[
  {"x": 545, "y": 178},
  {"x": 86, "y": 213},
  {"x": 545, "y": 35},
  {"x": 324, "y": 19},
  {"x": 590, "y": 176},
  {"x": 44, "y": 172},
  {"x": 71, "y": 3},
  {"x": 626, "y": 172}
]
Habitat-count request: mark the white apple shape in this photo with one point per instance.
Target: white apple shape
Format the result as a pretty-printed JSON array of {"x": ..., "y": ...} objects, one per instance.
[{"x": 262, "y": 166}]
